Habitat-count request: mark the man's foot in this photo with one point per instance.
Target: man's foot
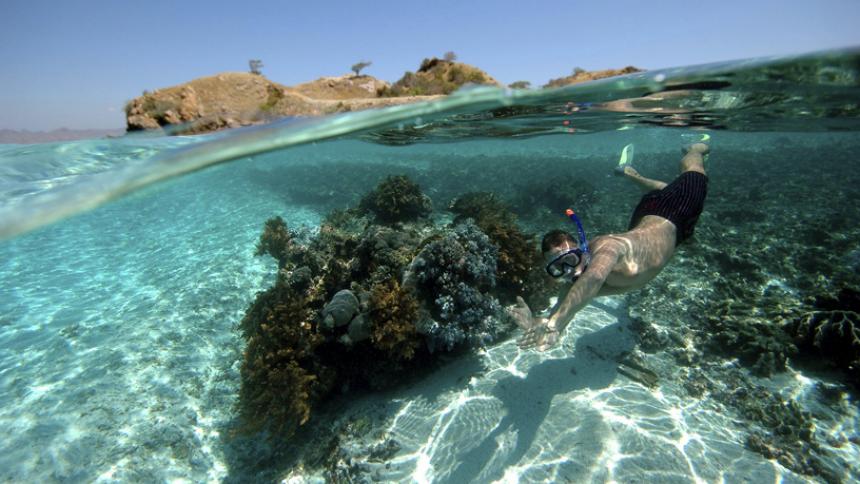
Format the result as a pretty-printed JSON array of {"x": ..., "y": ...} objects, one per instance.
[
  {"x": 625, "y": 163},
  {"x": 628, "y": 171},
  {"x": 700, "y": 148}
]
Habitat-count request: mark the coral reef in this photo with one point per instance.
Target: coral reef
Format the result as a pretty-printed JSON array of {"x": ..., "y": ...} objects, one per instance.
[
  {"x": 393, "y": 314},
  {"x": 383, "y": 252},
  {"x": 831, "y": 330},
  {"x": 281, "y": 377},
  {"x": 338, "y": 316},
  {"x": 276, "y": 241},
  {"x": 780, "y": 429},
  {"x": 519, "y": 263},
  {"x": 754, "y": 334},
  {"x": 454, "y": 271},
  {"x": 397, "y": 199}
]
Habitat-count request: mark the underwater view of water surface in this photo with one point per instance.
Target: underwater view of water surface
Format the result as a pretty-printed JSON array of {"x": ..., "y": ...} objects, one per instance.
[{"x": 325, "y": 300}]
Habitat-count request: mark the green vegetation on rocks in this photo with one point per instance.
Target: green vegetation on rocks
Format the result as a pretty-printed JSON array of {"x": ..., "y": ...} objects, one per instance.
[{"x": 437, "y": 76}]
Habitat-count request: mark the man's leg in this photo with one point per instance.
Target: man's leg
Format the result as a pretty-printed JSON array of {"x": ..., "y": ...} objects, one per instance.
[
  {"x": 646, "y": 184},
  {"x": 694, "y": 160}
]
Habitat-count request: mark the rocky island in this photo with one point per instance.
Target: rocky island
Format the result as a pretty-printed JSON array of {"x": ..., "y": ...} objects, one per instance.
[{"x": 234, "y": 99}]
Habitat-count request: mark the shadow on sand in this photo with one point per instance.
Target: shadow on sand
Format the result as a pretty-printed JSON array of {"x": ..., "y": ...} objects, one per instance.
[{"x": 527, "y": 400}]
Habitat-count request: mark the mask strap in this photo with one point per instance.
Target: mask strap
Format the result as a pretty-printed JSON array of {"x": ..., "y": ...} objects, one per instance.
[{"x": 582, "y": 240}]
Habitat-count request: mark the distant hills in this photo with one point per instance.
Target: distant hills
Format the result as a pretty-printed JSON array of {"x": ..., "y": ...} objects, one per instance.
[
  {"x": 62, "y": 134},
  {"x": 235, "y": 99},
  {"x": 581, "y": 75}
]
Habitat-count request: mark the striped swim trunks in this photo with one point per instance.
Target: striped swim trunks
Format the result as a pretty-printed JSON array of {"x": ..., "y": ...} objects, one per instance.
[{"x": 681, "y": 202}]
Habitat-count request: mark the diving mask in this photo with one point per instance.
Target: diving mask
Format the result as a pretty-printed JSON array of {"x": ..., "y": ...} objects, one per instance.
[{"x": 567, "y": 262}]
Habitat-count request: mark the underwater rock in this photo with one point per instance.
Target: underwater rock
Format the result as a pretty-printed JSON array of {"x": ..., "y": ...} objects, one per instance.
[
  {"x": 454, "y": 273},
  {"x": 300, "y": 279},
  {"x": 397, "y": 199},
  {"x": 340, "y": 310},
  {"x": 358, "y": 330}
]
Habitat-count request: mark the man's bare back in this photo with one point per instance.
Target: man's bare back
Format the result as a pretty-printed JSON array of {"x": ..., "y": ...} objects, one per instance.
[{"x": 617, "y": 263}]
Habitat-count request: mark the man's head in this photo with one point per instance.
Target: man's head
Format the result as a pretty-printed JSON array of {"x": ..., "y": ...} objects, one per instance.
[{"x": 562, "y": 255}]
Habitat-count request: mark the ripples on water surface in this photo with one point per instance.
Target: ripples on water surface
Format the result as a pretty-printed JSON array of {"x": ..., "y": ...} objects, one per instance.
[{"x": 119, "y": 359}]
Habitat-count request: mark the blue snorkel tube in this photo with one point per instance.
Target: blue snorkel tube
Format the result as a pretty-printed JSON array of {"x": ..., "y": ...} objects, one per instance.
[{"x": 583, "y": 242}]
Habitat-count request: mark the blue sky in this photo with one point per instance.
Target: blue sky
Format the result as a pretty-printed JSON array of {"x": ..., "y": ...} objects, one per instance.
[{"x": 74, "y": 63}]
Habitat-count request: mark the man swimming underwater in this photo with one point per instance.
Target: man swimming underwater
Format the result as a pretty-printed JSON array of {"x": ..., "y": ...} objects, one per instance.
[{"x": 618, "y": 263}]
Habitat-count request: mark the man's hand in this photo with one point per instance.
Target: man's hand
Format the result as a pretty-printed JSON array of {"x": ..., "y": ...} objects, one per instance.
[
  {"x": 522, "y": 315},
  {"x": 537, "y": 333},
  {"x": 542, "y": 336}
]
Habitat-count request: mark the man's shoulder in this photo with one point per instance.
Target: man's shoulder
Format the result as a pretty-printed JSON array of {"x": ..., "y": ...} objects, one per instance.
[{"x": 613, "y": 242}]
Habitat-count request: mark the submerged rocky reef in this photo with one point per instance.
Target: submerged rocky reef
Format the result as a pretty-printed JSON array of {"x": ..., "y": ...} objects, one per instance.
[
  {"x": 375, "y": 297},
  {"x": 761, "y": 301}
]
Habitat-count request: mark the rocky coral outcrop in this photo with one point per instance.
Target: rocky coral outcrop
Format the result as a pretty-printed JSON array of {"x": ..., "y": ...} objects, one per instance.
[
  {"x": 519, "y": 261},
  {"x": 831, "y": 331},
  {"x": 340, "y": 310},
  {"x": 397, "y": 199},
  {"x": 455, "y": 271},
  {"x": 376, "y": 295}
]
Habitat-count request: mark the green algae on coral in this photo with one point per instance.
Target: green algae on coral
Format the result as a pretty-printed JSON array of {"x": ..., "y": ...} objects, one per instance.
[
  {"x": 397, "y": 199},
  {"x": 276, "y": 241},
  {"x": 393, "y": 313},
  {"x": 281, "y": 377}
]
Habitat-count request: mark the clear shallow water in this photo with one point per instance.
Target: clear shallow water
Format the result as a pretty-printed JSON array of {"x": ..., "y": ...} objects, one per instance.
[{"x": 119, "y": 358}]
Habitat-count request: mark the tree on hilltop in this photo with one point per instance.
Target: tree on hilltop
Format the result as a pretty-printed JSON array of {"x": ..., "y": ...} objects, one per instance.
[
  {"x": 450, "y": 56},
  {"x": 255, "y": 65},
  {"x": 520, "y": 85},
  {"x": 357, "y": 67}
]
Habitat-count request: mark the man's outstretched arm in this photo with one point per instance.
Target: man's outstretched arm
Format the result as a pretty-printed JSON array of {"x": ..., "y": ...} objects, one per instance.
[{"x": 544, "y": 334}]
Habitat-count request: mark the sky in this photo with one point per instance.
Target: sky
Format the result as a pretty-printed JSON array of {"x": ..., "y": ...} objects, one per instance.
[{"x": 75, "y": 63}]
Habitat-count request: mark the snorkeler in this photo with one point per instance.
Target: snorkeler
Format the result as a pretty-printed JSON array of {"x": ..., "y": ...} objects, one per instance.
[{"x": 618, "y": 263}]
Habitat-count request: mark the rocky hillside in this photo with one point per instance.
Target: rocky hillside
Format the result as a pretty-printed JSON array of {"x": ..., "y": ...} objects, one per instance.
[
  {"x": 580, "y": 75},
  {"x": 235, "y": 99},
  {"x": 438, "y": 76},
  {"x": 343, "y": 87},
  {"x": 238, "y": 99}
]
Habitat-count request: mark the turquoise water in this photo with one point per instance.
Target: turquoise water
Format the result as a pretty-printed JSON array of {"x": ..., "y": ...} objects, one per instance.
[{"x": 120, "y": 358}]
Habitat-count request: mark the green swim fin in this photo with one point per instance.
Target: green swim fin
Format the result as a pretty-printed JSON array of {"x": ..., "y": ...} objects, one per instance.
[
  {"x": 626, "y": 159},
  {"x": 691, "y": 138}
]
